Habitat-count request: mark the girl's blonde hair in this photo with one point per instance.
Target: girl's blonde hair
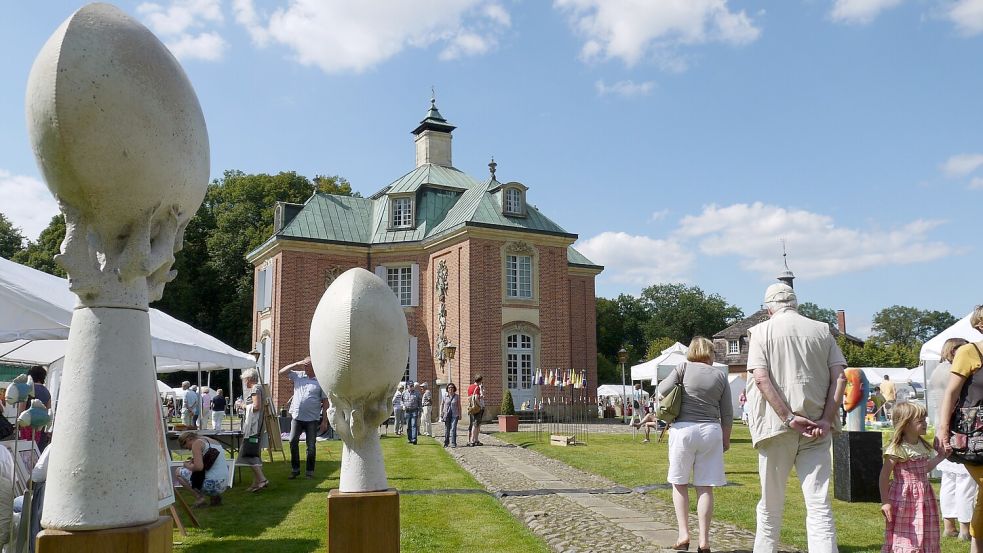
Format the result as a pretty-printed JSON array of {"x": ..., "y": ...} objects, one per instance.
[
  {"x": 949, "y": 348},
  {"x": 904, "y": 414},
  {"x": 700, "y": 350},
  {"x": 976, "y": 319}
]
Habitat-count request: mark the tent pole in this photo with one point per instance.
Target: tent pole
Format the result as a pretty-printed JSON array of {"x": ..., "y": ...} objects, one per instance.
[{"x": 230, "y": 396}]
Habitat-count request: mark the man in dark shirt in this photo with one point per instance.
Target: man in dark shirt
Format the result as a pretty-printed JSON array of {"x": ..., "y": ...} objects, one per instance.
[{"x": 218, "y": 409}]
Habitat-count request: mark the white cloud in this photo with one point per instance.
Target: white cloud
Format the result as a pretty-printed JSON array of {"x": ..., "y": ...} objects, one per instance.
[
  {"x": 340, "y": 35},
  {"x": 818, "y": 247},
  {"x": 626, "y": 89},
  {"x": 658, "y": 215},
  {"x": 27, "y": 203},
  {"x": 976, "y": 183},
  {"x": 860, "y": 12},
  {"x": 633, "y": 30},
  {"x": 967, "y": 15},
  {"x": 962, "y": 165},
  {"x": 180, "y": 25},
  {"x": 638, "y": 259}
]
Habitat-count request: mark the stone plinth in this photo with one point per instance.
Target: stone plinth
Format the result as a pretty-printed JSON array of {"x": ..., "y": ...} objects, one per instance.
[{"x": 856, "y": 466}]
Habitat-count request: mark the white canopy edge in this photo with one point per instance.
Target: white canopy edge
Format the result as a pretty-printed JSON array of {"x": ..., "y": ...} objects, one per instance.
[{"x": 932, "y": 349}]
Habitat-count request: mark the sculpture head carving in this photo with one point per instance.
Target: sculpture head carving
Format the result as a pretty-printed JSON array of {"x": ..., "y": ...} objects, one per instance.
[
  {"x": 359, "y": 346},
  {"x": 121, "y": 140}
]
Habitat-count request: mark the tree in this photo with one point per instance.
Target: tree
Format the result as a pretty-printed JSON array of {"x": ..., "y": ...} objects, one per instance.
[
  {"x": 875, "y": 354},
  {"x": 11, "y": 238},
  {"x": 816, "y": 313},
  {"x": 214, "y": 287},
  {"x": 607, "y": 371},
  {"x": 681, "y": 312},
  {"x": 41, "y": 254},
  {"x": 657, "y": 345},
  {"x": 908, "y": 326}
]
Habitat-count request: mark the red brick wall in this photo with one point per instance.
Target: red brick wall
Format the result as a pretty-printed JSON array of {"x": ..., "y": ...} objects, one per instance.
[
  {"x": 416, "y": 317},
  {"x": 554, "y": 308},
  {"x": 484, "y": 354},
  {"x": 583, "y": 333},
  {"x": 299, "y": 282}
]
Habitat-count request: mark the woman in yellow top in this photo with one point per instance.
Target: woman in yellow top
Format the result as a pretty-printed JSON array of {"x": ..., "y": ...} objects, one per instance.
[{"x": 965, "y": 365}]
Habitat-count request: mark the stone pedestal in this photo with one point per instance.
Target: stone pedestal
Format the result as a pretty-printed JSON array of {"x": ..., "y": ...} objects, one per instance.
[
  {"x": 363, "y": 522},
  {"x": 155, "y": 537},
  {"x": 857, "y": 466}
]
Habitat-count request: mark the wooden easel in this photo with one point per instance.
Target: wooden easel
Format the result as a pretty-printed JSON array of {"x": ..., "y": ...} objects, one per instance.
[{"x": 270, "y": 421}]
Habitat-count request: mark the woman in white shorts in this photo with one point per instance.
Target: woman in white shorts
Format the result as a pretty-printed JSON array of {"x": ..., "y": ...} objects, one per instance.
[{"x": 698, "y": 438}]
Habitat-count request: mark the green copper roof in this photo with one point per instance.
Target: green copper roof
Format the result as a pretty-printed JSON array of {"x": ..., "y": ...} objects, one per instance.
[
  {"x": 445, "y": 199},
  {"x": 576, "y": 258},
  {"x": 331, "y": 218},
  {"x": 434, "y": 121},
  {"x": 435, "y": 175}
]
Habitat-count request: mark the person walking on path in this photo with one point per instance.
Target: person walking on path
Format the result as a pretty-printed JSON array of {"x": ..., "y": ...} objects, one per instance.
[
  {"x": 911, "y": 514},
  {"x": 450, "y": 413},
  {"x": 698, "y": 438},
  {"x": 398, "y": 409},
  {"x": 426, "y": 403},
  {"x": 476, "y": 391},
  {"x": 411, "y": 411},
  {"x": 307, "y": 409},
  {"x": 218, "y": 409},
  {"x": 793, "y": 398}
]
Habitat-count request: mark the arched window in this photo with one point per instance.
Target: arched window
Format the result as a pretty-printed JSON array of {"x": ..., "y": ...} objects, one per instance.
[{"x": 518, "y": 361}]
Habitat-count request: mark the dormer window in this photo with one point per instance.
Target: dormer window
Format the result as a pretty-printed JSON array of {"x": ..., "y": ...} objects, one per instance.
[
  {"x": 733, "y": 347},
  {"x": 402, "y": 213},
  {"x": 513, "y": 201}
]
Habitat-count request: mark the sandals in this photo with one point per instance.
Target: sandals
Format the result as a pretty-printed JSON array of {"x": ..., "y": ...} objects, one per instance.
[
  {"x": 680, "y": 546},
  {"x": 256, "y": 487}
]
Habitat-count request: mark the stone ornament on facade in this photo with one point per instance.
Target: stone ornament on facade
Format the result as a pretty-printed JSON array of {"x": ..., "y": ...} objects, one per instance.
[
  {"x": 330, "y": 274},
  {"x": 359, "y": 346},
  {"x": 441, "y": 288},
  {"x": 520, "y": 247},
  {"x": 121, "y": 141}
]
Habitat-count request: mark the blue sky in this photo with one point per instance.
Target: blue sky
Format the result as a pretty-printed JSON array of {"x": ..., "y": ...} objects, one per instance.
[{"x": 681, "y": 139}]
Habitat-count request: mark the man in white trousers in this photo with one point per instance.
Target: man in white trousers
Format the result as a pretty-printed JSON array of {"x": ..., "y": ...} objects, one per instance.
[{"x": 793, "y": 399}]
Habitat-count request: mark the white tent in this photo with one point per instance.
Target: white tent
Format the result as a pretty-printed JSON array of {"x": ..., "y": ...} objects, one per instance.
[
  {"x": 932, "y": 349},
  {"x": 36, "y": 313},
  {"x": 875, "y": 375},
  {"x": 738, "y": 383},
  {"x": 616, "y": 390},
  {"x": 164, "y": 389},
  {"x": 660, "y": 367}
]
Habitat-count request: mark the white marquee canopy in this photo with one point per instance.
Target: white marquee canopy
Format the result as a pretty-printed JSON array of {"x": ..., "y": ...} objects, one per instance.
[{"x": 36, "y": 313}]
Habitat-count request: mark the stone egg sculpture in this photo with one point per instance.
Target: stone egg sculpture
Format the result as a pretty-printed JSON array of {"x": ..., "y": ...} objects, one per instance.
[
  {"x": 121, "y": 140},
  {"x": 359, "y": 347}
]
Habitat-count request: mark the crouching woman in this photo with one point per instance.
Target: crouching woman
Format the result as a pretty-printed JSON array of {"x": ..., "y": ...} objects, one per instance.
[{"x": 206, "y": 474}]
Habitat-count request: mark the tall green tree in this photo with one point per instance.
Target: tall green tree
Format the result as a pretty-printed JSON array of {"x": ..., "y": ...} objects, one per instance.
[
  {"x": 214, "y": 287},
  {"x": 816, "y": 313},
  {"x": 657, "y": 345},
  {"x": 908, "y": 326},
  {"x": 681, "y": 312},
  {"x": 41, "y": 254},
  {"x": 11, "y": 238}
]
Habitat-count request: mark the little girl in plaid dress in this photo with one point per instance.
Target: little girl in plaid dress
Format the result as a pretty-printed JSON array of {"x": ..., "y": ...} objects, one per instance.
[{"x": 908, "y": 502}]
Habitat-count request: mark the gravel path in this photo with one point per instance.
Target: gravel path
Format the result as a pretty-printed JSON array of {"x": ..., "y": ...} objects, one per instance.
[{"x": 575, "y": 511}]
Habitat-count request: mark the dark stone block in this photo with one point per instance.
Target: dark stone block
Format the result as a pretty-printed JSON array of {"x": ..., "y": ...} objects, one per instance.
[
  {"x": 284, "y": 423},
  {"x": 856, "y": 466}
]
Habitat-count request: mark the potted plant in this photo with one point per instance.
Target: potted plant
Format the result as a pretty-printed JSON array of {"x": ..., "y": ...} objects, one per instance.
[{"x": 507, "y": 419}]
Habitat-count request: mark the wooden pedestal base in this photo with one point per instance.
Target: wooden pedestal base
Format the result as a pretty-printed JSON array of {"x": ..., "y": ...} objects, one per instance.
[
  {"x": 363, "y": 522},
  {"x": 155, "y": 537}
]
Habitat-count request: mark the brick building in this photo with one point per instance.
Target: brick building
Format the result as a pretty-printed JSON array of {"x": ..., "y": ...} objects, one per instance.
[{"x": 472, "y": 262}]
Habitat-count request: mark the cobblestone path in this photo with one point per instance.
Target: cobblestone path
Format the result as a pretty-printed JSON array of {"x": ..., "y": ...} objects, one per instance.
[{"x": 575, "y": 511}]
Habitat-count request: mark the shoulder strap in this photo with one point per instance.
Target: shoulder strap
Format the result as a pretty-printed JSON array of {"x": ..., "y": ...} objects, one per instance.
[{"x": 682, "y": 373}]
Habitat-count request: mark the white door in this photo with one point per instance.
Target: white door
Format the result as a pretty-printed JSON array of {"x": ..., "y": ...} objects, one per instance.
[{"x": 518, "y": 368}]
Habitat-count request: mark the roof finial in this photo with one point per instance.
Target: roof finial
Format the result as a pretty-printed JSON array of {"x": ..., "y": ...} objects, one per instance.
[
  {"x": 492, "y": 166},
  {"x": 433, "y": 96},
  {"x": 787, "y": 277}
]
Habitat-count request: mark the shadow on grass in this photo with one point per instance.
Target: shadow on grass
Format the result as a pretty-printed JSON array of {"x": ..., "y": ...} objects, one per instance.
[
  {"x": 855, "y": 548},
  {"x": 282, "y": 545}
]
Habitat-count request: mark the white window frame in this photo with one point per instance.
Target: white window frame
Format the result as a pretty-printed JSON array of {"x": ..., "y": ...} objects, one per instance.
[
  {"x": 264, "y": 288},
  {"x": 413, "y": 300},
  {"x": 518, "y": 278},
  {"x": 401, "y": 212},
  {"x": 411, "y": 373},
  {"x": 512, "y": 201},
  {"x": 518, "y": 361},
  {"x": 733, "y": 347}
]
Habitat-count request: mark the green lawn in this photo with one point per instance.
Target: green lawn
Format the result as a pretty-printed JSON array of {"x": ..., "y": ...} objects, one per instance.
[
  {"x": 290, "y": 516},
  {"x": 860, "y": 526}
]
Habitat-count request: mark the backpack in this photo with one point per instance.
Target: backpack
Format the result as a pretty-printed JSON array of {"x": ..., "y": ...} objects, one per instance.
[{"x": 474, "y": 404}]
